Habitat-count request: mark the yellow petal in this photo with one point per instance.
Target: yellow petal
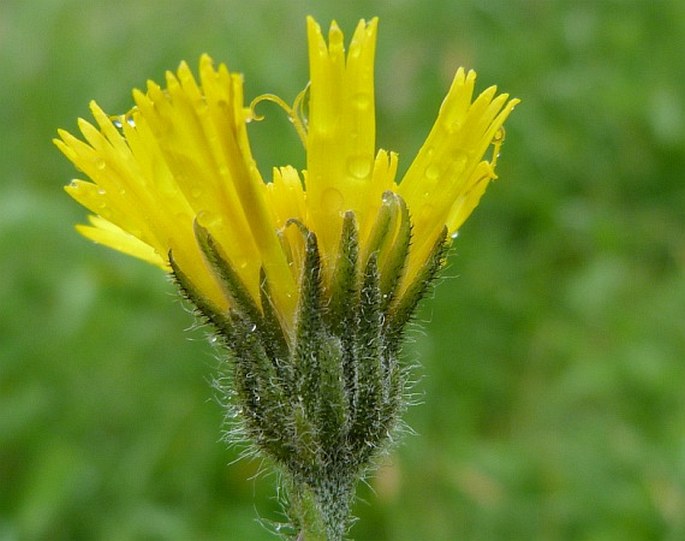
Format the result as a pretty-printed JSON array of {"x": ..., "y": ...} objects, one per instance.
[
  {"x": 108, "y": 234},
  {"x": 439, "y": 185},
  {"x": 341, "y": 130}
]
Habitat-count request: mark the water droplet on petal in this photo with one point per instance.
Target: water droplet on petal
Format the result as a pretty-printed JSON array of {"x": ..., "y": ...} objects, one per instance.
[
  {"x": 453, "y": 127},
  {"x": 459, "y": 162},
  {"x": 427, "y": 211},
  {"x": 201, "y": 105},
  {"x": 100, "y": 164},
  {"x": 101, "y": 191},
  {"x": 432, "y": 172},
  {"x": 119, "y": 120},
  {"x": 359, "y": 166},
  {"x": 332, "y": 200},
  {"x": 362, "y": 100},
  {"x": 454, "y": 235},
  {"x": 208, "y": 219}
]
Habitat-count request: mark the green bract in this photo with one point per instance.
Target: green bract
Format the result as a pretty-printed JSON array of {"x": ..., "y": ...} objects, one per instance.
[{"x": 323, "y": 402}]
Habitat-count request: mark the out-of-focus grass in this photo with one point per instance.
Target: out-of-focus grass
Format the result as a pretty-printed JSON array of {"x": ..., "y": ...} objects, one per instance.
[{"x": 553, "y": 379}]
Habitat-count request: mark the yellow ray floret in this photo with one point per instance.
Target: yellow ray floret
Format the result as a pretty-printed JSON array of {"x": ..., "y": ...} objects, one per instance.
[{"x": 182, "y": 155}]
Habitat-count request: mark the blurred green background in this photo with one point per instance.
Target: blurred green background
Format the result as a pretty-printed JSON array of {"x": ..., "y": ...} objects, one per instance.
[{"x": 553, "y": 378}]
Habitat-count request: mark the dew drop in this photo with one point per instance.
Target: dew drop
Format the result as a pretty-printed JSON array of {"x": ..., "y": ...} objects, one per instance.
[
  {"x": 100, "y": 164},
  {"x": 208, "y": 219},
  {"x": 201, "y": 105},
  {"x": 459, "y": 162},
  {"x": 253, "y": 328},
  {"x": 119, "y": 120},
  {"x": 101, "y": 191},
  {"x": 359, "y": 166},
  {"x": 427, "y": 211},
  {"x": 332, "y": 200},
  {"x": 362, "y": 100},
  {"x": 453, "y": 127},
  {"x": 454, "y": 235},
  {"x": 432, "y": 172}
]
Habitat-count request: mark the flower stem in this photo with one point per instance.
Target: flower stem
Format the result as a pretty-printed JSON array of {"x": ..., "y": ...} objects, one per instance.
[{"x": 321, "y": 513}]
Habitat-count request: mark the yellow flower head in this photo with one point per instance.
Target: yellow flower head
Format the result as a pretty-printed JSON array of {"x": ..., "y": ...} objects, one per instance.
[{"x": 182, "y": 157}]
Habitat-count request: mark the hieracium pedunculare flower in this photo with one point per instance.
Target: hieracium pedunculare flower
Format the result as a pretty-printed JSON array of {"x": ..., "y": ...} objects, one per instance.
[{"x": 310, "y": 278}]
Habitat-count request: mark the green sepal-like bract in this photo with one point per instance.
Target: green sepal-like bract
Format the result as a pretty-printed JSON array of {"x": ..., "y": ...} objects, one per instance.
[{"x": 322, "y": 401}]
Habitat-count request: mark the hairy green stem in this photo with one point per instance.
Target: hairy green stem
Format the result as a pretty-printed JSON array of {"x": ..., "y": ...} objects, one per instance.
[{"x": 321, "y": 513}]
